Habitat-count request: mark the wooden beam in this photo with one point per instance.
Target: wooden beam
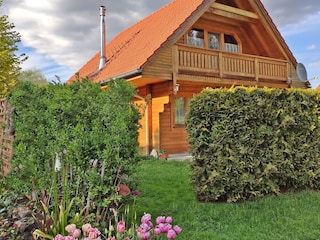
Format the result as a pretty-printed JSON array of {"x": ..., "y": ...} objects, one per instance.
[
  {"x": 210, "y": 16},
  {"x": 233, "y": 10}
]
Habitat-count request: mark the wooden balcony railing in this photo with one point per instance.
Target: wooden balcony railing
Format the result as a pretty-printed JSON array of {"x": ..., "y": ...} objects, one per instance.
[{"x": 223, "y": 64}]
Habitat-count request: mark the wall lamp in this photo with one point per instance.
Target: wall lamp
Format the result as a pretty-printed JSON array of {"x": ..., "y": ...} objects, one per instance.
[{"x": 176, "y": 88}]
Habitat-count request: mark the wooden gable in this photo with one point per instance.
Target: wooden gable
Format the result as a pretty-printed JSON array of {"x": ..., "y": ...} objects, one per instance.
[{"x": 132, "y": 53}]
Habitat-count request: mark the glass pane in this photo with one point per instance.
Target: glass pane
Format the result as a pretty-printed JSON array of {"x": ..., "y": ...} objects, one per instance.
[
  {"x": 179, "y": 110},
  {"x": 196, "y": 38},
  {"x": 230, "y": 44},
  {"x": 214, "y": 41}
]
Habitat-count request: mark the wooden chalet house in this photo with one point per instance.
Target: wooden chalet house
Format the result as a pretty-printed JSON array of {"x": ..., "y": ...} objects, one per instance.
[{"x": 186, "y": 46}]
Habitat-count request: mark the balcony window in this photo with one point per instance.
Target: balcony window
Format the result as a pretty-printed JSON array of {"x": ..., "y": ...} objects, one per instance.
[
  {"x": 214, "y": 41},
  {"x": 230, "y": 44},
  {"x": 196, "y": 37}
]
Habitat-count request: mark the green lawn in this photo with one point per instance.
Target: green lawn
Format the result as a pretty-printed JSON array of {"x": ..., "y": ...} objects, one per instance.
[{"x": 165, "y": 190}]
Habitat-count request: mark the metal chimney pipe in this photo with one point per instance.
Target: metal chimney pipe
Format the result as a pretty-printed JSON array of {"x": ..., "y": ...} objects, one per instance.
[{"x": 103, "y": 36}]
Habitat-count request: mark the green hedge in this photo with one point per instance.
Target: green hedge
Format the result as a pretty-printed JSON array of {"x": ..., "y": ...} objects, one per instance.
[
  {"x": 250, "y": 142},
  {"x": 93, "y": 131}
]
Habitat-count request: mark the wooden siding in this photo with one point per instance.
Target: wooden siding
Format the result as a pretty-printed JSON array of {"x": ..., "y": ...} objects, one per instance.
[
  {"x": 160, "y": 66},
  {"x": 157, "y": 108},
  {"x": 142, "y": 131},
  {"x": 173, "y": 139},
  {"x": 6, "y": 137}
]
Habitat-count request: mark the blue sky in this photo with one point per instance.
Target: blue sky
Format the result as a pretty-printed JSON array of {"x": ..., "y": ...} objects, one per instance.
[{"x": 60, "y": 36}]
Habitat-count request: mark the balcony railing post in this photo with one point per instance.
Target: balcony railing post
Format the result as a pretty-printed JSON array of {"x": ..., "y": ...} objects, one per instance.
[
  {"x": 175, "y": 65},
  {"x": 221, "y": 65},
  {"x": 256, "y": 69}
]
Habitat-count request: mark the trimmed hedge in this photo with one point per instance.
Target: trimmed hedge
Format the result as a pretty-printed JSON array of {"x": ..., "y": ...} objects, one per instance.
[
  {"x": 250, "y": 142},
  {"x": 95, "y": 133}
]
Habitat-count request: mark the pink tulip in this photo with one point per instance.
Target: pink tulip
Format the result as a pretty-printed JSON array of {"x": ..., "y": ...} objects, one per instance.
[
  {"x": 160, "y": 219},
  {"x": 171, "y": 234},
  {"x": 85, "y": 228},
  {"x": 69, "y": 238},
  {"x": 144, "y": 235},
  {"x": 157, "y": 231},
  {"x": 169, "y": 220},
  {"x": 121, "y": 227},
  {"x": 165, "y": 227},
  {"x": 70, "y": 228},
  {"x": 76, "y": 233},
  {"x": 146, "y": 218},
  {"x": 93, "y": 233},
  {"x": 177, "y": 229},
  {"x": 59, "y": 237}
]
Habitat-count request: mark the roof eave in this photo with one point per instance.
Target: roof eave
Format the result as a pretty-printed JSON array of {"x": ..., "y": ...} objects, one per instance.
[{"x": 126, "y": 75}]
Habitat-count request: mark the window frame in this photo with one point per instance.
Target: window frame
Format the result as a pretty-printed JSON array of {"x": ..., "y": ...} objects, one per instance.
[
  {"x": 221, "y": 35},
  {"x": 186, "y": 105},
  {"x": 190, "y": 38}
]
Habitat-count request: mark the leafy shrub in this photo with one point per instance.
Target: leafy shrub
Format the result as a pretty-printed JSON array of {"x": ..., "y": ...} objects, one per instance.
[
  {"x": 90, "y": 132},
  {"x": 251, "y": 142}
]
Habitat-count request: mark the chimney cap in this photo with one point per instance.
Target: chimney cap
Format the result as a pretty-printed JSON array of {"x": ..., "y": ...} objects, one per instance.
[{"x": 102, "y": 10}]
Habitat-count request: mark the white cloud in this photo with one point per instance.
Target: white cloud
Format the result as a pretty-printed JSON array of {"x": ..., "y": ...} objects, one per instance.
[
  {"x": 66, "y": 33},
  {"x": 291, "y": 12},
  {"x": 311, "y": 47},
  {"x": 315, "y": 65}
]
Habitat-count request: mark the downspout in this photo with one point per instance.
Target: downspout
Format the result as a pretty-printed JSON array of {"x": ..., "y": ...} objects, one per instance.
[
  {"x": 147, "y": 122},
  {"x": 103, "y": 37}
]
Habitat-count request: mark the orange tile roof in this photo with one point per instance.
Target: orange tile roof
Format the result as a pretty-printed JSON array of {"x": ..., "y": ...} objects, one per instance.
[{"x": 132, "y": 48}]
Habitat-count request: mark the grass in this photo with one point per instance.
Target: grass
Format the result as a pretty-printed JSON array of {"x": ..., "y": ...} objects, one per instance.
[{"x": 165, "y": 190}]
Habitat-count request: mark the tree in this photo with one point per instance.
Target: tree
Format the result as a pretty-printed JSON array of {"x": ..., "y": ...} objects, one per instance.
[
  {"x": 9, "y": 61},
  {"x": 33, "y": 75}
]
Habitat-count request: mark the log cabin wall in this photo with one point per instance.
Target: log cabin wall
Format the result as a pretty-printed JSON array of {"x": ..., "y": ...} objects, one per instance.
[
  {"x": 161, "y": 66},
  {"x": 258, "y": 60},
  {"x": 173, "y": 139}
]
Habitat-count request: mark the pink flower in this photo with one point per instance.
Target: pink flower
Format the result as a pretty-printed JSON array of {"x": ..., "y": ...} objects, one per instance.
[
  {"x": 169, "y": 220},
  {"x": 146, "y": 218},
  {"x": 76, "y": 233},
  {"x": 177, "y": 229},
  {"x": 93, "y": 233},
  {"x": 111, "y": 238},
  {"x": 126, "y": 238},
  {"x": 144, "y": 235},
  {"x": 171, "y": 234},
  {"x": 70, "y": 228},
  {"x": 69, "y": 238},
  {"x": 15, "y": 225},
  {"x": 157, "y": 231},
  {"x": 59, "y": 237},
  {"x": 85, "y": 228},
  {"x": 165, "y": 227},
  {"x": 121, "y": 227},
  {"x": 160, "y": 219},
  {"x": 136, "y": 193},
  {"x": 143, "y": 228}
]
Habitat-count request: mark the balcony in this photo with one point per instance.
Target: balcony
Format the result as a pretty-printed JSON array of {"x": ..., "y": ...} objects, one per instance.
[{"x": 210, "y": 63}]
